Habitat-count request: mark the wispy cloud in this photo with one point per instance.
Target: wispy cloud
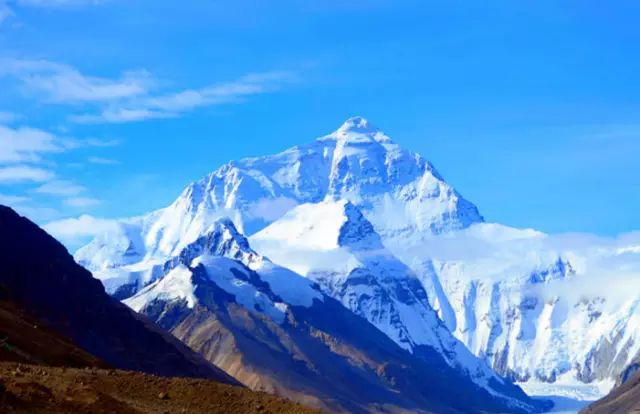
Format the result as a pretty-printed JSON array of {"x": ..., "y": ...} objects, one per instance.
[
  {"x": 22, "y": 173},
  {"x": 12, "y": 200},
  {"x": 73, "y": 230},
  {"x": 98, "y": 142},
  {"x": 132, "y": 95},
  {"x": 37, "y": 213},
  {"x": 221, "y": 93},
  {"x": 25, "y": 160},
  {"x": 60, "y": 83},
  {"x": 24, "y": 206},
  {"x": 26, "y": 144},
  {"x": 120, "y": 115},
  {"x": 173, "y": 104},
  {"x": 82, "y": 202},
  {"x": 103, "y": 161},
  {"x": 60, "y": 188}
]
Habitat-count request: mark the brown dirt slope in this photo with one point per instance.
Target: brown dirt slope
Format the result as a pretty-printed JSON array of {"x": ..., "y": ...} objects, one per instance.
[
  {"x": 40, "y": 389},
  {"x": 29, "y": 383}
]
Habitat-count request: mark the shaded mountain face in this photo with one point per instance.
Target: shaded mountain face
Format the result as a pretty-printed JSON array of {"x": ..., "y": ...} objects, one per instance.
[
  {"x": 41, "y": 278},
  {"x": 276, "y": 331}
]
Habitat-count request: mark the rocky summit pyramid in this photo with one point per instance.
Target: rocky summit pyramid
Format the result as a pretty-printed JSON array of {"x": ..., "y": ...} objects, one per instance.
[{"x": 400, "y": 192}]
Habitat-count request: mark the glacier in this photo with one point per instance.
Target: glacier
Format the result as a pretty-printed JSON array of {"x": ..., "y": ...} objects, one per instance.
[{"x": 539, "y": 309}]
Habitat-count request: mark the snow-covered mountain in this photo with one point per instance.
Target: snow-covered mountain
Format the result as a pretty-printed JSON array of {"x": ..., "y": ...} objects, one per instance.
[
  {"x": 333, "y": 244},
  {"x": 516, "y": 298},
  {"x": 399, "y": 191},
  {"x": 275, "y": 330},
  {"x": 557, "y": 313}
]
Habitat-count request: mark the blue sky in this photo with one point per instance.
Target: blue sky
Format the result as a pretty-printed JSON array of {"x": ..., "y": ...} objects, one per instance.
[{"x": 530, "y": 109}]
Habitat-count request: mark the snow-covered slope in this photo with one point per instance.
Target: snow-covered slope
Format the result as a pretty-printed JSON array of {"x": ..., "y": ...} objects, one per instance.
[
  {"x": 557, "y": 313},
  {"x": 224, "y": 255},
  {"x": 333, "y": 244},
  {"x": 517, "y": 298},
  {"x": 268, "y": 326},
  {"x": 399, "y": 192}
]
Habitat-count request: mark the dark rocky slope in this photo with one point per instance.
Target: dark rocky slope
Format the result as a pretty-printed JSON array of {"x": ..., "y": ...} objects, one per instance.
[{"x": 38, "y": 275}]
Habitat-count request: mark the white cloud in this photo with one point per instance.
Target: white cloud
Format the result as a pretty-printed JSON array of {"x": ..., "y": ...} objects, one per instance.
[
  {"x": 60, "y": 83},
  {"x": 36, "y": 213},
  {"x": 24, "y": 206},
  {"x": 21, "y": 173},
  {"x": 129, "y": 97},
  {"x": 60, "y": 188},
  {"x": 82, "y": 202},
  {"x": 72, "y": 230},
  {"x": 222, "y": 93},
  {"x": 12, "y": 200},
  {"x": 604, "y": 266},
  {"x": 119, "y": 116},
  {"x": 22, "y": 160},
  {"x": 172, "y": 105},
  {"x": 26, "y": 144},
  {"x": 98, "y": 142},
  {"x": 103, "y": 161}
]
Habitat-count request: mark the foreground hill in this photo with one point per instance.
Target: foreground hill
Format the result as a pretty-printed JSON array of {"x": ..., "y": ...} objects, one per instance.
[
  {"x": 41, "y": 389},
  {"x": 24, "y": 340},
  {"x": 38, "y": 276},
  {"x": 49, "y": 307}
]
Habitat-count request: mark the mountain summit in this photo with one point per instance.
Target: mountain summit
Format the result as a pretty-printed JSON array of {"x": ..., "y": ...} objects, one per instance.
[
  {"x": 398, "y": 191},
  {"x": 357, "y": 128}
]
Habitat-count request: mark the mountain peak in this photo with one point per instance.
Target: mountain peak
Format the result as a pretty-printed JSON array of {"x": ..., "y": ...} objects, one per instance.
[
  {"x": 357, "y": 124},
  {"x": 221, "y": 239},
  {"x": 357, "y": 130}
]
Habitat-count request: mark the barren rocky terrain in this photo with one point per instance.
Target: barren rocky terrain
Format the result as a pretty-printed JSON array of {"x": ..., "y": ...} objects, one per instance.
[{"x": 42, "y": 389}]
